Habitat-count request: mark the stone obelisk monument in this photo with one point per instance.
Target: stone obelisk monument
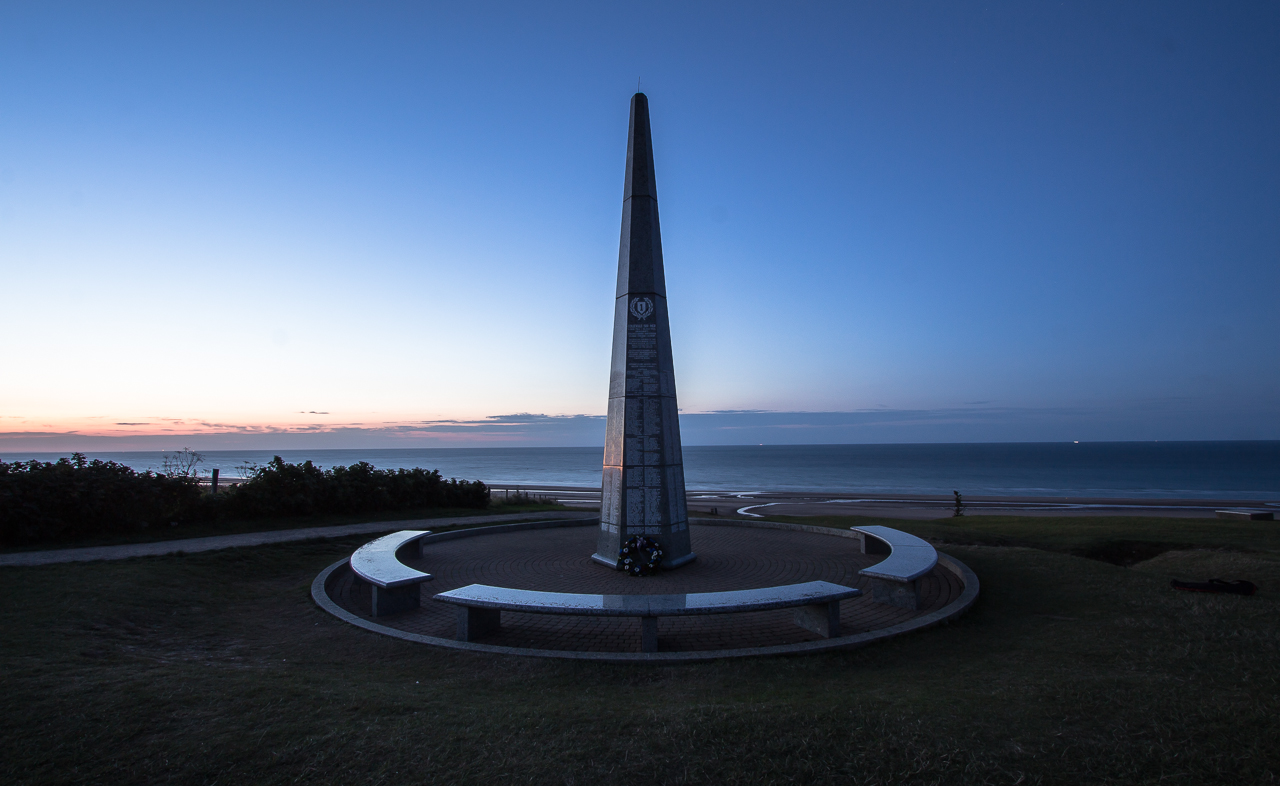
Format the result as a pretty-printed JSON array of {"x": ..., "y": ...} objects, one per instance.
[{"x": 643, "y": 469}]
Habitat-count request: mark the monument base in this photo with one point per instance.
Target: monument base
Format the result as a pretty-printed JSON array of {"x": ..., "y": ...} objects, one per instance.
[
  {"x": 678, "y": 561},
  {"x": 665, "y": 564},
  {"x": 608, "y": 563}
]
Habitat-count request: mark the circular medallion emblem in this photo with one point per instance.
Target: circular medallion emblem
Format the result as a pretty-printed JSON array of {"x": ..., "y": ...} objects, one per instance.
[{"x": 641, "y": 307}]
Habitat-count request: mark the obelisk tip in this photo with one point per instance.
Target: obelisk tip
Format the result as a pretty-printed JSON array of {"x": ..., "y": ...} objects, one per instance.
[{"x": 639, "y": 181}]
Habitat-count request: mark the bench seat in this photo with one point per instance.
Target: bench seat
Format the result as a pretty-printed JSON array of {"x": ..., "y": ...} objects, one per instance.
[
  {"x": 895, "y": 580},
  {"x": 395, "y": 584},
  {"x": 481, "y": 606}
]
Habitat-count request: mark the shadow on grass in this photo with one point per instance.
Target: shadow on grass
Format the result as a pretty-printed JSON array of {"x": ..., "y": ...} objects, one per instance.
[{"x": 218, "y": 667}]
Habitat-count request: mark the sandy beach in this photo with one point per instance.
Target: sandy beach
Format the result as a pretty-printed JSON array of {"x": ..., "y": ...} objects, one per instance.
[{"x": 906, "y": 506}]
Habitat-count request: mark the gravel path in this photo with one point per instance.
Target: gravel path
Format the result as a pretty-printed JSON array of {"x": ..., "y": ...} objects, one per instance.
[{"x": 191, "y": 545}]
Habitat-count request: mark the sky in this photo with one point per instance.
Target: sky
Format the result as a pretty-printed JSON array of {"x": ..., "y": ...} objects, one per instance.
[{"x": 271, "y": 224}]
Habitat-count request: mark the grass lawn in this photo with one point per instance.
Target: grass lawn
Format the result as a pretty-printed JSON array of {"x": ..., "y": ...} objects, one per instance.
[
  {"x": 218, "y": 668},
  {"x": 1147, "y": 542},
  {"x": 202, "y": 529}
]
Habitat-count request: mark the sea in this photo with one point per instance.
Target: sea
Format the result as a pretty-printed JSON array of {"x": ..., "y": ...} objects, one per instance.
[{"x": 1242, "y": 470}]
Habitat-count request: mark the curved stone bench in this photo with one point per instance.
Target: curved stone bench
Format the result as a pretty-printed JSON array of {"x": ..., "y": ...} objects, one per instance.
[
  {"x": 395, "y": 584},
  {"x": 895, "y": 580},
  {"x": 482, "y": 606}
]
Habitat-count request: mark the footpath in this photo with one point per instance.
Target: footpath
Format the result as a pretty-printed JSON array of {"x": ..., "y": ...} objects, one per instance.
[{"x": 192, "y": 545}]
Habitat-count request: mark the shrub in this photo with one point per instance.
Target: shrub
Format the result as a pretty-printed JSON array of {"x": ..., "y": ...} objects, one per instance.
[
  {"x": 76, "y": 498},
  {"x": 525, "y": 498},
  {"x": 282, "y": 489},
  {"x": 182, "y": 463}
]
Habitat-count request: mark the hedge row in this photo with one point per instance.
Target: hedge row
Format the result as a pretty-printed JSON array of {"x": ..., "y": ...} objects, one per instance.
[
  {"x": 281, "y": 489},
  {"x": 74, "y": 498}
]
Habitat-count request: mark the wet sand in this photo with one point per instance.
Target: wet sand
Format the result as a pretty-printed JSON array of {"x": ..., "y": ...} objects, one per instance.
[{"x": 903, "y": 506}]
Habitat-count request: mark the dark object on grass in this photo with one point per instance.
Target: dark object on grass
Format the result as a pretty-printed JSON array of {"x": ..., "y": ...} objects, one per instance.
[
  {"x": 639, "y": 556},
  {"x": 1237, "y": 587},
  {"x": 959, "y": 511}
]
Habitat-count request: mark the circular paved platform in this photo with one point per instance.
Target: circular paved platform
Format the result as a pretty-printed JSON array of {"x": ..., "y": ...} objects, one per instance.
[{"x": 743, "y": 555}]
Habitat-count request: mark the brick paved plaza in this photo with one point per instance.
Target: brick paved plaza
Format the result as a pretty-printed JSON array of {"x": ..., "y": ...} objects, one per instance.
[{"x": 559, "y": 560}]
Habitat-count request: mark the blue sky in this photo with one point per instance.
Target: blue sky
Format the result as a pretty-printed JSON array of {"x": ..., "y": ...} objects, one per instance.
[{"x": 357, "y": 224}]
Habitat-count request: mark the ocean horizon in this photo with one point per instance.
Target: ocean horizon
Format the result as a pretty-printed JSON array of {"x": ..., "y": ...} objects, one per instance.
[{"x": 1245, "y": 470}]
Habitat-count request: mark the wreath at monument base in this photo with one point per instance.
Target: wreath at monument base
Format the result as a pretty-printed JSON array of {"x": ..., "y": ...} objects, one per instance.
[{"x": 639, "y": 556}]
